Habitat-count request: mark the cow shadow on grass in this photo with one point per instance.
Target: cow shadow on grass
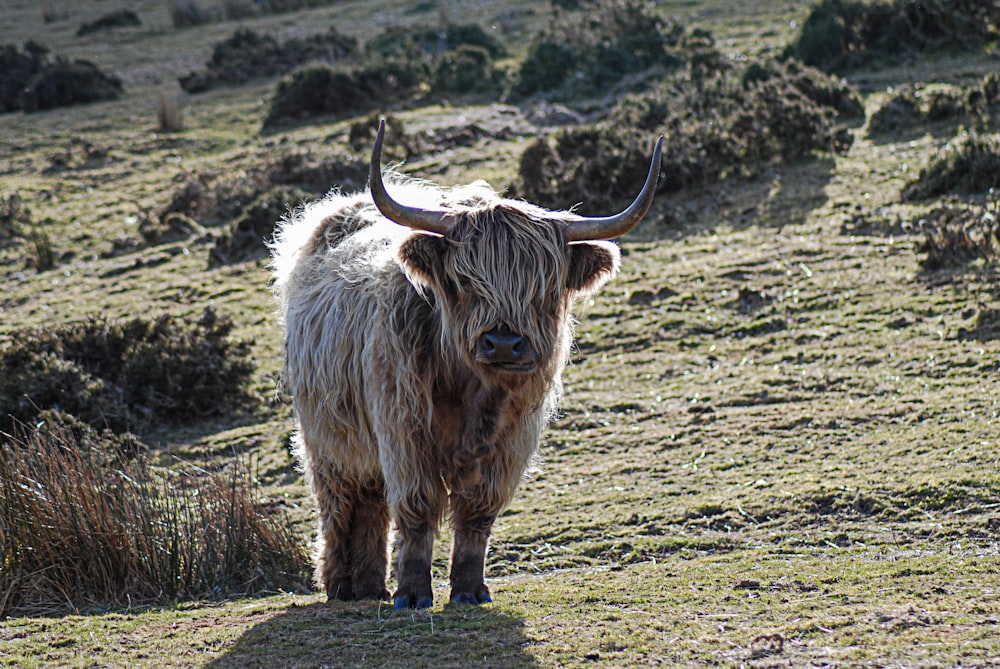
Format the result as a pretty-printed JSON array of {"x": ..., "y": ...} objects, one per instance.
[{"x": 373, "y": 635}]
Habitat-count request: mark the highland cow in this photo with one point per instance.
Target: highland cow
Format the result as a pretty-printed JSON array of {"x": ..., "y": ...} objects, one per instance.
[{"x": 424, "y": 344}]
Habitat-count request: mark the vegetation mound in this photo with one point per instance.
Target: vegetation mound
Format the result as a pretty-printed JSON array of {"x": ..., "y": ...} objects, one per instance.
[
  {"x": 914, "y": 107},
  {"x": 408, "y": 42},
  {"x": 728, "y": 123},
  {"x": 842, "y": 35},
  {"x": 124, "y": 375},
  {"x": 403, "y": 64},
  {"x": 86, "y": 526},
  {"x": 121, "y": 18},
  {"x": 246, "y": 237},
  {"x": 320, "y": 90},
  {"x": 247, "y": 55},
  {"x": 585, "y": 52},
  {"x": 30, "y": 81},
  {"x": 955, "y": 236},
  {"x": 967, "y": 166}
]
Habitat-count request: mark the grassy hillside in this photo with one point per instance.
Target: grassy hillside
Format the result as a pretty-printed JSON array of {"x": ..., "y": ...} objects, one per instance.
[{"x": 779, "y": 441}]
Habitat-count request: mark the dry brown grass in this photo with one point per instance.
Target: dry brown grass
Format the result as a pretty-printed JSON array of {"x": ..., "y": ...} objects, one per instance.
[{"x": 87, "y": 526}]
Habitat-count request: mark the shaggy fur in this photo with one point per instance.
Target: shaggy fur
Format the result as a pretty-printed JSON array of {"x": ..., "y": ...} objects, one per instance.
[{"x": 397, "y": 418}]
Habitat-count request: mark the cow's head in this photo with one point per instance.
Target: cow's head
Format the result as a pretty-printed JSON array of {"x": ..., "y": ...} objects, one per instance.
[{"x": 504, "y": 271}]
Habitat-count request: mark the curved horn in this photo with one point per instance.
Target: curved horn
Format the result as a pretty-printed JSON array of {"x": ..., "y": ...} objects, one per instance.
[
  {"x": 609, "y": 227},
  {"x": 412, "y": 217}
]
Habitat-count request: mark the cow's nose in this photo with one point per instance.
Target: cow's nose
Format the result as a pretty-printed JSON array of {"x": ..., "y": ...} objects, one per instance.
[{"x": 508, "y": 349}]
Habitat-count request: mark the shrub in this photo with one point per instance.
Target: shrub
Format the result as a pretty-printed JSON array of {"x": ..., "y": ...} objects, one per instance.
[
  {"x": 87, "y": 523},
  {"x": 317, "y": 173},
  {"x": 467, "y": 69},
  {"x": 321, "y": 90},
  {"x": 125, "y": 375},
  {"x": 168, "y": 228},
  {"x": 976, "y": 104},
  {"x": 246, "y": 237},
  {"x": 215, "y": 197},
  {"x": 16, "y": 70},
  {"x": 409, "y": 42},
  {"x": 29, "y": 81},
  {"x": 64, "y": 83},
  {"x": 970, "y": 165},
  {"x": 247, "y": 55},
  {"x": 954, "y": 236},
  {"x": 840, "y": 35},
  {"x": 600, "y": 166},
  {"x": 902, "y": 111},
  {"x": 121, "y": 18},
  {"x": 15, "y": 216},
  {"x": 587, "y": 52},
  {"x": 729, "y": 123},
  {"x": 400, "y": 145},
  {"x": 185, "y": 13}
]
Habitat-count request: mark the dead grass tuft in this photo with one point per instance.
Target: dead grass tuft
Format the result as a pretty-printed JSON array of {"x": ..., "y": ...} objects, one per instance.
[
  {"x": 85, "y": 527},
  {"x": 168, "y": 113}
]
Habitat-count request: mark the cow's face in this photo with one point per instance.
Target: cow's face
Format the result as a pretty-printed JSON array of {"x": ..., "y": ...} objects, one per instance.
[{"x": 505, "y": 281}]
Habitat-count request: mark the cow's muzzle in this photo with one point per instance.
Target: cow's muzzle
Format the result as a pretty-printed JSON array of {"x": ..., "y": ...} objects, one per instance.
[{"x": 506, "y": 349}]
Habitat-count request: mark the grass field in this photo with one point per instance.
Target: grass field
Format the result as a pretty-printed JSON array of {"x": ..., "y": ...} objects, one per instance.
[{"x": 779, "y": 440}]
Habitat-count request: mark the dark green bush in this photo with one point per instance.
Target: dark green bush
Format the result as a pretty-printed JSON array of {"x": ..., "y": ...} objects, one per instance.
[
  {"x": 409, "y": 42},
  {"x": 967, "y": 166},
  {"x": 321, "y": 90},
  {"x": 467, "y": 69},
  {"x": 583, "y": 53},
  {"x": 245, "y": 239},
  {"x": 247, "y": 55},
  {"x": 902, "y": 111},
  {"x": 16, "y": 70},
  {"x": 840, "y": 35},
  {"x": 215, "y": 197},
  {"x": 87, "y": 523},
  {"x": 317, "y": 173},
  {"x": 730, "y": 123},
  {"x": 120, "y": 18},
  {"x": 64, "y": 83},
  {"x": 977, "y": 104},
  {"x": 125, "y": 375},
  {"x": 29, "y": 81}
]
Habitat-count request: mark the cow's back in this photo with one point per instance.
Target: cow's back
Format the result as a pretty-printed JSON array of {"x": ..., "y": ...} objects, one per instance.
[{"x": 336, "y": 277}]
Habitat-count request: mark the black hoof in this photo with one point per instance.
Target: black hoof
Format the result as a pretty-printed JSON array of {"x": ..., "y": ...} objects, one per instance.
[{"x": 480, "y": 596}]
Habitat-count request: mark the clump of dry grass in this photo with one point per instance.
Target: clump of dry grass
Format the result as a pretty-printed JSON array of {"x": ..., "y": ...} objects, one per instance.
[
  {"x": 84, "y": 526},
  {"x": 168, "y": 113}
]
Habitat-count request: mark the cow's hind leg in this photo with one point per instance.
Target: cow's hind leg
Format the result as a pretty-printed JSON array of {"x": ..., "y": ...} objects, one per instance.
[
  {"x": 335, "y": 495},
  {"x": 369, "y": 541},
  {"x": 472, "y": 521}
]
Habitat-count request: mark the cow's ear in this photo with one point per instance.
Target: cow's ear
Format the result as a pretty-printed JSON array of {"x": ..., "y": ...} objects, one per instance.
[
  {"x": 422, "y": 256},
  {"x": 591, "y": 264}
]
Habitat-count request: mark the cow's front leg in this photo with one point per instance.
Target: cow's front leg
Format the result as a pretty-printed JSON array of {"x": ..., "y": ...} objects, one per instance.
[
  {"x": 417, "y": 515},
  {"x": 473, "y": 522},
  {"x": 484, "y": 407}
]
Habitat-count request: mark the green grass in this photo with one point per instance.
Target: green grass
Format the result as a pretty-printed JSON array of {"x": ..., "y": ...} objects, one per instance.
[{"x": 810, "y": 478}]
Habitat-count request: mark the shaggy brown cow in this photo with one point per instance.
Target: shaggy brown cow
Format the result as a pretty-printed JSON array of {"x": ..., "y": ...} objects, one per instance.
[{"x": 423, "y": 348}]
